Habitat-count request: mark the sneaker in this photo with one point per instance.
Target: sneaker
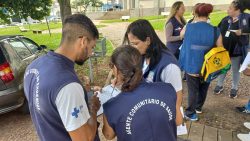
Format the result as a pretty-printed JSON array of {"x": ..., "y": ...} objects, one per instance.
[
  {"x": 233, "y": 93},
  {"x": 243, "y": 110},
  {"x": 247, "y": 125},
  {"x": 218, "y": 89},
  {"x": 244, "y": 137},
  {"x": 198, "y": 111},
  {"x": 193, "y": 117}
]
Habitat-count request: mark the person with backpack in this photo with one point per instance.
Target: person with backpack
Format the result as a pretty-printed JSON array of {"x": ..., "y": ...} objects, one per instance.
[
  {"x": 142, "y": 111},
  {"x": 198, "y": 40},
  {"x": 233, "y": 29}
]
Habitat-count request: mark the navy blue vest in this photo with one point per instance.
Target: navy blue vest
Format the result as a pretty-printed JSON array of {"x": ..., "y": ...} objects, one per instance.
[
  {"x": 147, "y": 113},
  {"x": 43, "y": 80},
  {"x": 244, "y": 25},
  {"x": 154, "y": 75},
  {"x": 177, "y": 27}
]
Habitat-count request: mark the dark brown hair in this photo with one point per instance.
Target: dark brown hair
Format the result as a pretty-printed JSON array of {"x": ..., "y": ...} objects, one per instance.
[
  {"x": 203, "y": 10},
  {"x": 78, "y": 25},
  {"x": 128, "y": 62},
  {"x": 241, "y": 5},
  {"x": 142, "y": 29}
]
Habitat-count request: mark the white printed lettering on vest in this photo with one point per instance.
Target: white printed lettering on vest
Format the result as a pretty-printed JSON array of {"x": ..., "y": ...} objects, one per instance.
[{"x": 139, "y": 105}]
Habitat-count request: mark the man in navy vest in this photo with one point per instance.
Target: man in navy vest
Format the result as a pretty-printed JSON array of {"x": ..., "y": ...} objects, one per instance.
[{"x": 57, "y": 100}]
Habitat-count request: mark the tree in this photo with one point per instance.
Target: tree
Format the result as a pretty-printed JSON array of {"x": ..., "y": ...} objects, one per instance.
[
  {"x": 65, "y": 8},
  {"x": 36, "y": 9},
  {"x": 85, "y": 4}
]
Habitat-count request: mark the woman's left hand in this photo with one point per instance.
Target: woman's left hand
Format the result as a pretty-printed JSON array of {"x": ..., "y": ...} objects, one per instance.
[{"x": 238, "y": 32}]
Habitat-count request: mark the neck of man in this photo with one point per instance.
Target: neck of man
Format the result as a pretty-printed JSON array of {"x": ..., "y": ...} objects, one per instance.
[{"x": 66, "y": 51}]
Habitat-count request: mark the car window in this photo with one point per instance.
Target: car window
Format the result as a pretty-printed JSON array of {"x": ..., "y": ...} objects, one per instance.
[
  {"x": 2, "y": 58},
  {"x": 20, "y": 48},
  {"x": 30, "y": 44}
]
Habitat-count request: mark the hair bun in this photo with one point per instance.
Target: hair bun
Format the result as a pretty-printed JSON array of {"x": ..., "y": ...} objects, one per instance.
[{"x": 204, "y": 9}]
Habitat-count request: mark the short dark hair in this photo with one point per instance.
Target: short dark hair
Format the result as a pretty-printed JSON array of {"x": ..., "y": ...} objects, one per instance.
[
  {"x": 77, "y": 25},
  {"x": 128, "y": 62},
  {"x": 142, "y": 29}
]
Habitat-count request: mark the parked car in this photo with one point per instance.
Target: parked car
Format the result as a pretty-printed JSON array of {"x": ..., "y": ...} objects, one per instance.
[
  {"x": 54, "y": 19},
  {"x": 16, "y": 53}
]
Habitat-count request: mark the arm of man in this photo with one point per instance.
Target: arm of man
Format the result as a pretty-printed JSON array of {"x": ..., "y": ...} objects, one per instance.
[
  {"x": 107, "y": 130},
  {"x": 172, "y": 74},
  {"x": 74, "y": 113}
]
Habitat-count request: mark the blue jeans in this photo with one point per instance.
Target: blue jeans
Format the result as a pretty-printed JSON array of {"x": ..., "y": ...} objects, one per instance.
[
  {"x": 248, "y": 106},
  {"x": 236, "y": 61}
]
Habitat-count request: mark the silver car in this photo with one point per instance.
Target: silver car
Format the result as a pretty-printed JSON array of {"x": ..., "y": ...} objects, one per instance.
[{"x": 16, "y": 53}]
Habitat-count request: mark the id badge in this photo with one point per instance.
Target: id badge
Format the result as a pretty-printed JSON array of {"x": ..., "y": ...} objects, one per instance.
[
  {"x": 244, "y": 22},
  {"x": 227, "y": 34}
]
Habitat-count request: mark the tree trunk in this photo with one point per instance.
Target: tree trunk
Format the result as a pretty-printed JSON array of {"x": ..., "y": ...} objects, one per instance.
[{"x": 65, "y": 8}]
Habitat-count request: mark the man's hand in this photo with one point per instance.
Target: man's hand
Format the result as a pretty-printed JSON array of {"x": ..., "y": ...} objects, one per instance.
[{"x": 94, "y": 105}]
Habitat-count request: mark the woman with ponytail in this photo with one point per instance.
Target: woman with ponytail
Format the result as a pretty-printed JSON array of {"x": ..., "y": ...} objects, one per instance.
[{"x": 142, "y": 111}]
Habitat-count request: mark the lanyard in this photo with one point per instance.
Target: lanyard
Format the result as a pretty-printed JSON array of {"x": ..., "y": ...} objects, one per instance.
[{"x": 231, "y": 22}]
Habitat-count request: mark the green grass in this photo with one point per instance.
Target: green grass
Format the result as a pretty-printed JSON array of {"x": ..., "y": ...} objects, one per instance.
[
  {"x": 216, "y": 18},
  {"x": 42, "y": 39}
]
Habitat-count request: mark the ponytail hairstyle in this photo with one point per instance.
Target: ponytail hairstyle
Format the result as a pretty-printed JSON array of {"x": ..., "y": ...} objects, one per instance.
[{"x": 128, "y": 62}]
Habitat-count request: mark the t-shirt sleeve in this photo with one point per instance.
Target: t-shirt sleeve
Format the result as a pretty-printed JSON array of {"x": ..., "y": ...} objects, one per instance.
[
  {"x": 172, "y": 74},
  {"x": 72, "y": 107}
]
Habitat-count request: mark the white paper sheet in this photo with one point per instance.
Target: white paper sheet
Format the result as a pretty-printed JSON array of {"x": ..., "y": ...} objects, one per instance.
[
  {"x": 107, "y": 93},
  {"x": 245, "y": 63},
  {"x": 182, "y": 129}
]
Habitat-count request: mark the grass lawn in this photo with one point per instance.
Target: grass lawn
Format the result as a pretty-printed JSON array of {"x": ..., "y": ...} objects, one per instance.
[{"x": 42, "y": 39}]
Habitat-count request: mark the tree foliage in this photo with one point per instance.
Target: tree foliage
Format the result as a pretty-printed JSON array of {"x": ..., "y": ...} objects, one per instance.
[
  {"x": 36, "y": 9},
  {"x": 85, "y": 4}
]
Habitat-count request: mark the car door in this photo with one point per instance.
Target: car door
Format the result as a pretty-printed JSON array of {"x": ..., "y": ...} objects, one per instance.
[{"x": 24, "y": 55}]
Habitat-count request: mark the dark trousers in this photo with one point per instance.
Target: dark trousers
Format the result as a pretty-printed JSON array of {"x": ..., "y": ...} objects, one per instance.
[
  {"x": 197, "y": 93},
  {"x": 177, "y": 54}
]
